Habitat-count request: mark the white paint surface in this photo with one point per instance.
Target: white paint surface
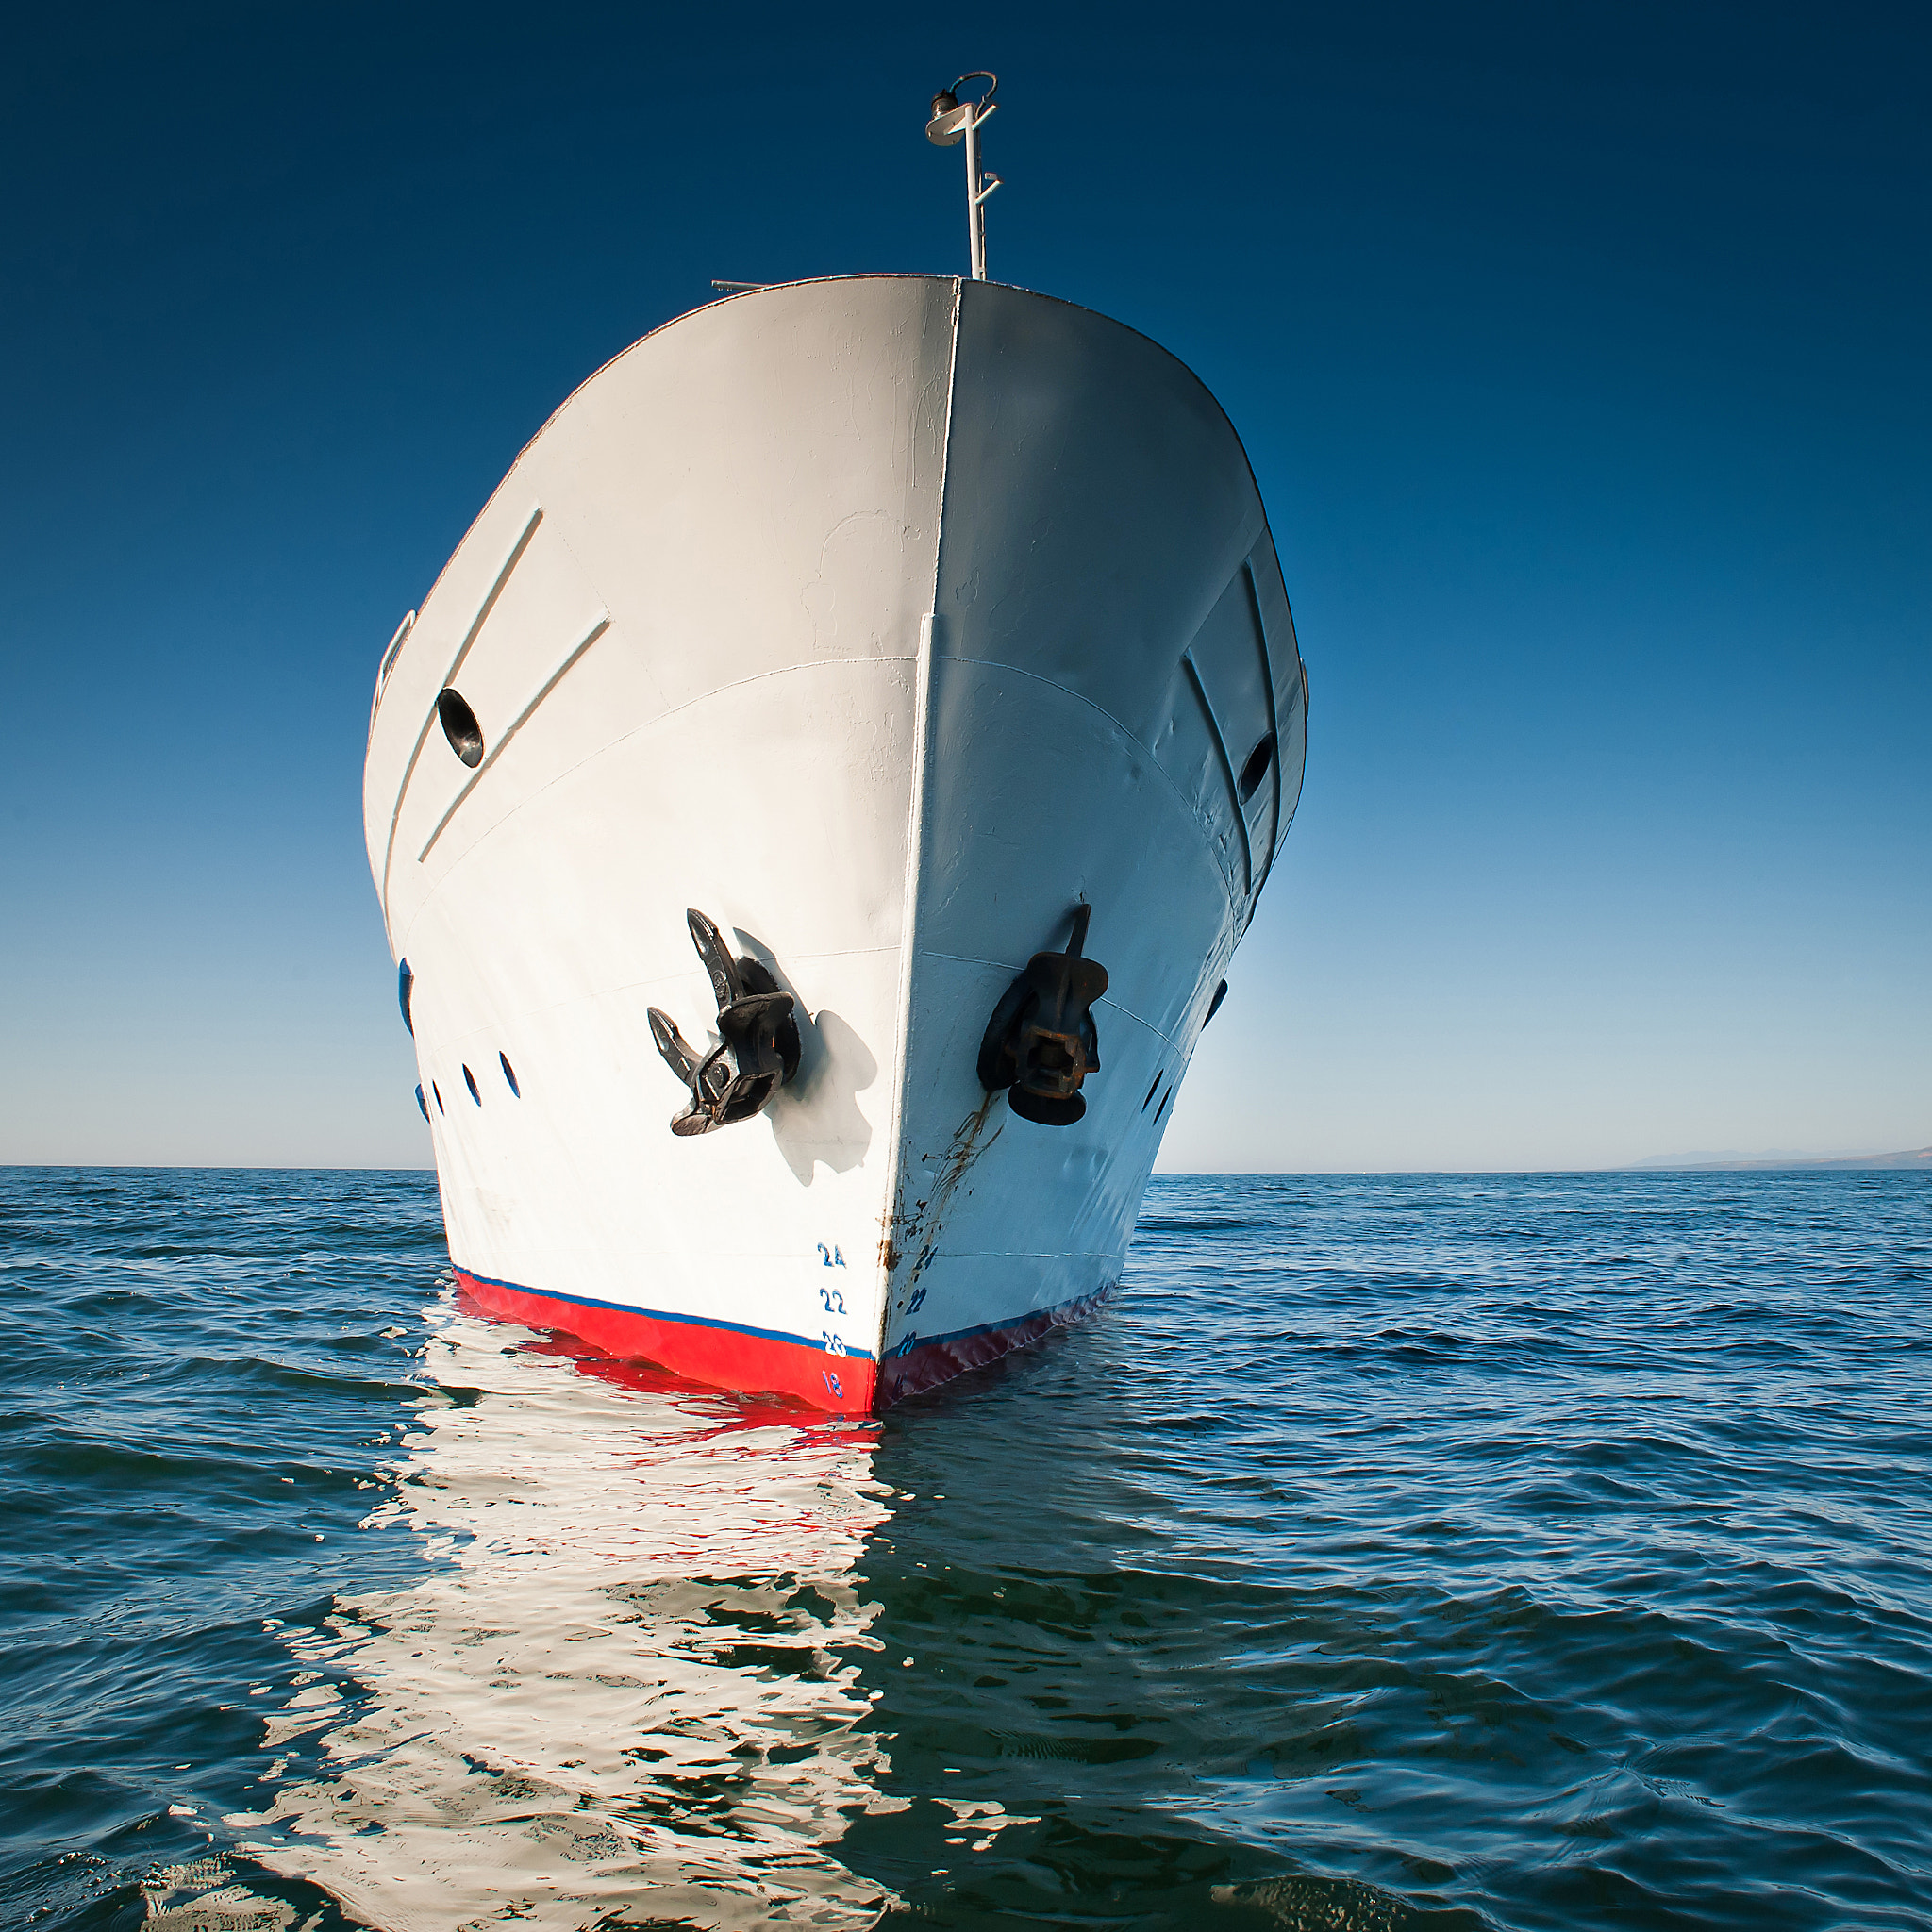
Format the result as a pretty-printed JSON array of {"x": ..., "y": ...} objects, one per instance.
[{"x": 690, "y": 623}]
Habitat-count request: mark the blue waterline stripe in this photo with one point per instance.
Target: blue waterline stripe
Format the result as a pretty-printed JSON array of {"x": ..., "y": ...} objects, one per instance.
[{"x": 814, "y": 1342}]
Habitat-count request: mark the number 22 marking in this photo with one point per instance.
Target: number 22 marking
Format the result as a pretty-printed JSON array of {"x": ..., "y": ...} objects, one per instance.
[{"x": 832, "y": 1297}]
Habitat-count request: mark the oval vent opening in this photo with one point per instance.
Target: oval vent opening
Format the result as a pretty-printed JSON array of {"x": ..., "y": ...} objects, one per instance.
[
  {"x": 438, "y": 1091},
  {"x": 470, "y": 1081},
  {"x": 460, "y": 725},
  {"x": 1252, "y": 773},
  {"x": 510, "y": 1073}
]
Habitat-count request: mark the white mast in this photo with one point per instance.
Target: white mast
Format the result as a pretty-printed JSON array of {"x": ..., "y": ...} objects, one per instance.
[{"x": 952, "y": 122}]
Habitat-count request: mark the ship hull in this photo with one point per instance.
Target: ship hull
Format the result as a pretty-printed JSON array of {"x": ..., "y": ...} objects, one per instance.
[{"x": 885, "y": 620}]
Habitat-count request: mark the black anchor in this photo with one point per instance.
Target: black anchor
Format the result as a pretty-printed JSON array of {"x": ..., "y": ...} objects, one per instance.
[
  {"x": 758, "y": 1038},
  {"x": 1041, "y": 1042}
]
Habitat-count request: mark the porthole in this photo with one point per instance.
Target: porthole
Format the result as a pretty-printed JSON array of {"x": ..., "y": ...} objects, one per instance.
[
  {"x": 1214, "y": 1004},
  {"x": 459, "y": 727},
  {"x": 422, "y": 1103},
  {"x": 470, "y": 1081},
  {"x": 438, "y": 1091},
  {"x": 1151, "y": 1091},
  {"x": 1164, "y": 1099},
  {"x": 510, "y": 1073},
  {"x": 406, "y": 986},
  {"x": 1252, "y": 773}
]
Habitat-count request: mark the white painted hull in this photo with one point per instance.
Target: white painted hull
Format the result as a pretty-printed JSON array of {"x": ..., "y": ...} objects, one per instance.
[{"x": 882, "y": 619}]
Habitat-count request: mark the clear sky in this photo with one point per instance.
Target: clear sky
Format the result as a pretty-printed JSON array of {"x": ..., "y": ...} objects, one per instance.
[{"x": 1581, "y": 353}]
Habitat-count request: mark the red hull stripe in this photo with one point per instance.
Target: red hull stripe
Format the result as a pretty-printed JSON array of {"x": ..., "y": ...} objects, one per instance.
[
  {"x": 728, "y": 1355},
  {"x": 724, "y": 1354},
  {"x": 475, "y": 1281},
  {"x": 923, "y": 1363}
]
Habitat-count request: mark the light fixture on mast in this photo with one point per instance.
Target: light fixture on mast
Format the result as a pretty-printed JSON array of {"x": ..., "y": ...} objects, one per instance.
[{"x": 954, "y": 121}]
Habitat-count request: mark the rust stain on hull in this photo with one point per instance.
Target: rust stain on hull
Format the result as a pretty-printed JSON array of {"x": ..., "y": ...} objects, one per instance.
[{"x": 920, "y": 1230}]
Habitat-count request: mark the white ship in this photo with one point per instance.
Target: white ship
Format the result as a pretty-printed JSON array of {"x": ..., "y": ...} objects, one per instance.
[{"x": 813, "y": 813}]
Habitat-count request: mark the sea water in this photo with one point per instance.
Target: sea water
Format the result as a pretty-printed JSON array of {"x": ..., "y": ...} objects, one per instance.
[{"x": 1539, "y": 1551}]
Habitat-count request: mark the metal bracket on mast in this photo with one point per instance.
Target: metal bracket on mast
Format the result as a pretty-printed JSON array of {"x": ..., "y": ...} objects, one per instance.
[{"x": 954, "y": 121}]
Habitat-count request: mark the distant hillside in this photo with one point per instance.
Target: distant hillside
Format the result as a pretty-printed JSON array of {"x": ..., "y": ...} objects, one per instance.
[{"x": 1918, "y": 1159}]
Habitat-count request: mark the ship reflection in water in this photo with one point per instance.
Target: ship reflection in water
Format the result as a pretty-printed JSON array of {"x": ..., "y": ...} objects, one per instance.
[{"x": 631, "y": 1680}]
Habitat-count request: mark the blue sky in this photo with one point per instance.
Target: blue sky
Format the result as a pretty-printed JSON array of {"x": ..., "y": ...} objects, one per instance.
[{"x": 1580, "y": 353}]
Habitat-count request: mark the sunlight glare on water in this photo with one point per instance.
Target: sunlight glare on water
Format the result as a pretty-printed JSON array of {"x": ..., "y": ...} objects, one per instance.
[{"x": 632, "y": 1669}]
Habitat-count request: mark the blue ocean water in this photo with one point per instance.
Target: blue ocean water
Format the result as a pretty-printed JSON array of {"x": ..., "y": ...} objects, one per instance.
[{"x": 1393, "y": 1553}]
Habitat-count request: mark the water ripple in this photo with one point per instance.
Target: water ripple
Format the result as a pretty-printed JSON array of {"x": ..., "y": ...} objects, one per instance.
[{"x": 1394, "y": 1553}]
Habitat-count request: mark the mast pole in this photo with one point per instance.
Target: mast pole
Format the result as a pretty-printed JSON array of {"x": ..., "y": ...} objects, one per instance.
[
  {"x": 954, "y": 120},
  {"x": 975, "y": 207}
]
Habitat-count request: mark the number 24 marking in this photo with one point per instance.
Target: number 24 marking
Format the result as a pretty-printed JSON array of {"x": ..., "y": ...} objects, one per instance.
[{"x": 830, "y": 1257}]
